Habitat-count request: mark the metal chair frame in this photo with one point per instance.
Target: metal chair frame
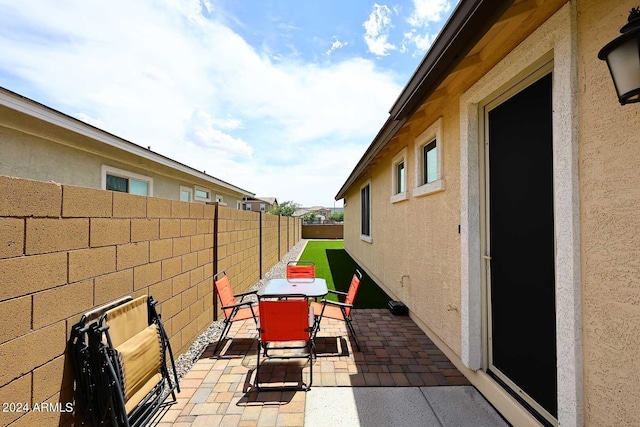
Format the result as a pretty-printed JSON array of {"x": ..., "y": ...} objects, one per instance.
[
  {"x": 235, "y": 308},
  {"x": 301, "y": 269},
  {"x": 98, "y": 377},
  {"x": 346, "y": 316},
  {"x": 305, "y": 334}
]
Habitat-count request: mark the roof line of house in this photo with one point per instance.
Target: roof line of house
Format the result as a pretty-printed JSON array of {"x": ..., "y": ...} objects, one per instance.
[
  {"x": 467, "y": 25},
  {"x": 35, "y": 109}
]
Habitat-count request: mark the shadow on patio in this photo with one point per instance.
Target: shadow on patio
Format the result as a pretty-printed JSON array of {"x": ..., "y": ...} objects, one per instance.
[{"x": 397, "y": 360}]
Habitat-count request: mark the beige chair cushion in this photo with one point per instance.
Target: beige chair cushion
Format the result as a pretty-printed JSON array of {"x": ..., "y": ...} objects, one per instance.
[
  {"x": 140, "y": 358},
  {"x": 127, "y": 320}
]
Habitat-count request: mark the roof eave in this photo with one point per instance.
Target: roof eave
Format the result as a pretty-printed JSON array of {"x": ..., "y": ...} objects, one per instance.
[
  {"x": 467, "y": 25},
  {"x": 40, "y": 111},
  {"x": 385, "y": 134}
]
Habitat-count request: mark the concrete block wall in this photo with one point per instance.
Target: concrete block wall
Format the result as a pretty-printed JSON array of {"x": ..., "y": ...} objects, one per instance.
[
  {"x": 291, "y": 233},
  {"x": 249, "y": 244},
  {"x": 284, "y": 236},
  {"x": 65, "y": 250},
  {"x": 239, "y": 247},
  {"x": 270, "y": 240},
  {"x": 318, "y": 231}
]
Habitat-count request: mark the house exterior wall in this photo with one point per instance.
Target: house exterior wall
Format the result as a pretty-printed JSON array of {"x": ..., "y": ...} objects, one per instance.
[
  {"x": 609, "y": 201},
  {"x": 36, "y": 157},
  {"x": 415, "y": 249},
  {"x": 423, "y": 268},
  {"x": 65, "y": 250},
  {"x": 255, "y": 206}
]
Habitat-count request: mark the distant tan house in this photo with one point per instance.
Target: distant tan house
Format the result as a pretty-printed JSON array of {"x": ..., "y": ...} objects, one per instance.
[
  {"x": 500, "y": 202},
  {"x": 321, "y": 212},
  {"x": 259, "y": 204},
  {"x": 40, "y": 143}
]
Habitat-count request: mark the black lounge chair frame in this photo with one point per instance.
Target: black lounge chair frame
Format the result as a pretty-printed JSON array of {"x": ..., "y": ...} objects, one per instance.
[{"x": 99, "y": 387}]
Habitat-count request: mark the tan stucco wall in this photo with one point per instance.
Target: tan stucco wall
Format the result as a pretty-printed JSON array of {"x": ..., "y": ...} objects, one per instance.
[
  {"x": 610, "y": 203},
  {"x": 415, "y": 249},
  {"x": 37, "y": 157}
]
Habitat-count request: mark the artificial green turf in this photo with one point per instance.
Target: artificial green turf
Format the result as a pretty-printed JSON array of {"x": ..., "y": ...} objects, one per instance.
[
  {"x": 335, "y": 265},
  {"x": 316, "y": 251}
]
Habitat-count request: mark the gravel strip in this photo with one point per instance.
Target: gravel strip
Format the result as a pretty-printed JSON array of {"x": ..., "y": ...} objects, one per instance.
[{"x": 188, "y": 358}]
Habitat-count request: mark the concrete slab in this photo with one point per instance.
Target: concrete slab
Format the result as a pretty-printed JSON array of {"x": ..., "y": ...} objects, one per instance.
[
  {"x": 368, "y": 407},
  {"x": 462, "y": 406}
]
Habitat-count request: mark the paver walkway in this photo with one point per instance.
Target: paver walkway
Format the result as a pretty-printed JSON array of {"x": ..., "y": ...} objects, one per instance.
[{"x": 219, "y": 391}]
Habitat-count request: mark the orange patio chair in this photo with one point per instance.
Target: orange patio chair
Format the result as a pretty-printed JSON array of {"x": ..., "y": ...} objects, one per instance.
[
  {"x": 232, "y": 309},
  {"x": 287, "y": 321},
  {"x": 301, "y": 269},
  {"x": 339, "y": 310}
]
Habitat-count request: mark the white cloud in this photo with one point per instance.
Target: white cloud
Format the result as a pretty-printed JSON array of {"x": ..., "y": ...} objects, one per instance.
[
  {"x": 337, "y": 44},
  {"x": 422, "y": 43},
  {"x": 426, "y": 11},
  {"x": 165, "y": 75},
  {"x": 377, "y": 30},
  {"x": 201, "y": 130}
]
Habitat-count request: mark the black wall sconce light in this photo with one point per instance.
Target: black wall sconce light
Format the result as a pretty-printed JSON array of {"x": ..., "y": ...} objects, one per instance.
[{"x": 623, "y": 58}]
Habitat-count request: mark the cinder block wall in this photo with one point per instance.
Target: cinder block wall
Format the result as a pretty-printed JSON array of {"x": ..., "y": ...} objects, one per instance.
[
  {"x": 284, "y": 240},
  {"x": 329, "y": 231},
  {"x": 270, "y": 251},
  {"x": 239, "y": 247},
  {"x": 291, "y": 233},
  {"x": 65, "y": 250}
]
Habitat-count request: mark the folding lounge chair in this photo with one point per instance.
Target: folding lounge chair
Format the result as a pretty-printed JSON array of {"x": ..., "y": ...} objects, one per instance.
[
  {"x": 301, "y": 269},
  {"x": 339, "y": 310},
  {"x": 127, "y": 360},
  {"x": 233, "y": 311},
  {"x": 91, "y": 406},
  {"x": 285, "y": 321}
]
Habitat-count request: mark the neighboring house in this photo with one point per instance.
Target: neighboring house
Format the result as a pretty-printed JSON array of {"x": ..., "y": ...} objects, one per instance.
[
  {"x": 335, "y": 210},
  {"x": 40, "y": 143},
  {"x": 321, "y": 212},
  {"x": 259, "y": 204},
  {"x": 500, "y": 202}
]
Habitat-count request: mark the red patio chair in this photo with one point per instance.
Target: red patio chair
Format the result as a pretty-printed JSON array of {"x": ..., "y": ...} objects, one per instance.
[
  {"x": 285, "y": 321},
  {"x": 301, "y": 269},
  {"x": 233, "y": 310},
  {"x": 339, "y": 310}
]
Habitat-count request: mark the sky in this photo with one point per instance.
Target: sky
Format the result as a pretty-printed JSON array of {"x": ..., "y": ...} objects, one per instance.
[{"x": 278, "y": 97}]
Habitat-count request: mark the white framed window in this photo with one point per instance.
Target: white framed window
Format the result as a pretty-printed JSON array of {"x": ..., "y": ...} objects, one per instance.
[
  {"x": 263, "y": 207},
  {"x": 365, "y": 212},
  {"x": 238, "y": 205},
  {"x": 428, "y": 155},
  {"x": 115, "y": 179},
  {"x": 248, "y": 206},
  {"x": 399, "y": 177},
  {"x": 202, "y": 194},
  {"x": 186, "y": 194}
]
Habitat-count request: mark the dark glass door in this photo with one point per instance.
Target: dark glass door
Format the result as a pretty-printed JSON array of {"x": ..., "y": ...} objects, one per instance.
[{"x": 522, "y": 336}]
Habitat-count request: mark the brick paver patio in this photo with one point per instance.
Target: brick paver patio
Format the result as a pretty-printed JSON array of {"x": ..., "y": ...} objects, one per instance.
[{"x": 219, "y": 391}]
